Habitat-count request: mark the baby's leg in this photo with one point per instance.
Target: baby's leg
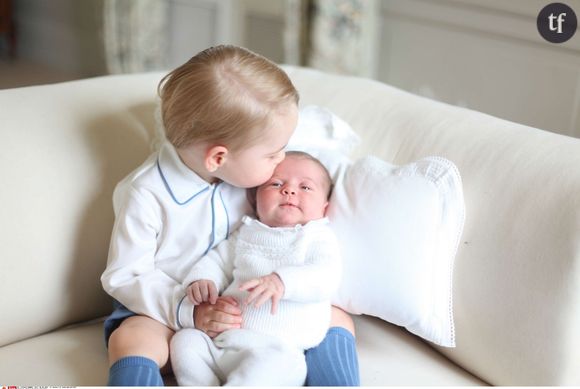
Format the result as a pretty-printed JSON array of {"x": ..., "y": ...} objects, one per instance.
[
  {"x": 252, "y": 359},
  {"x": 137, "y": 351},
  {"x": 268, "y": 367},
  {"x": 193, "y": 356}
]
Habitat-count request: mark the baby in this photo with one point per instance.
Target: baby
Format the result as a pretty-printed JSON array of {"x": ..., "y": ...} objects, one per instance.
[{"x": 282, "y": 268}]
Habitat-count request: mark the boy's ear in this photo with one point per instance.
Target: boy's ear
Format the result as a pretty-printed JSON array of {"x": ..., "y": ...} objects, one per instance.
[
  {"x": 215, "y": 157},
  {"x": 325, "y": 208}
]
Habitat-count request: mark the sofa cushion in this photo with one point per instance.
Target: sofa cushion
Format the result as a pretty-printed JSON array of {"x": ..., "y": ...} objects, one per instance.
[
  {"x": 391, "y": 356},
  {"x": 76, "y": 356}
]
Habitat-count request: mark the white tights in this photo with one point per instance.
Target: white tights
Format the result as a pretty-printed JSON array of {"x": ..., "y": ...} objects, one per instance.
[{"x": 236, "y": 357}]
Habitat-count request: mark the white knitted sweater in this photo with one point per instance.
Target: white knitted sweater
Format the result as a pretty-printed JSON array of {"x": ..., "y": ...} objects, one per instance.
[{"x": 307, "y": 259}]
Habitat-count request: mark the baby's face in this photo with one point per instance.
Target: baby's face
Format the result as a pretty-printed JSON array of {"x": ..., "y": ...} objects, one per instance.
[{"x": 295, "y": 194}]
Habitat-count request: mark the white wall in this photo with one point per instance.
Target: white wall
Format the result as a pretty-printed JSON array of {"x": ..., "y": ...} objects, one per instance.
[{"x": 485, "y": 55}]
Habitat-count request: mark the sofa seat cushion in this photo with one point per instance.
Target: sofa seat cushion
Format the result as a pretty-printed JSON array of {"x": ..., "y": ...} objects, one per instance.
[
  {"x": 388, "y": 355},
  {"x": 391, "y": 356},
  {"x": 68, "y": 357}
]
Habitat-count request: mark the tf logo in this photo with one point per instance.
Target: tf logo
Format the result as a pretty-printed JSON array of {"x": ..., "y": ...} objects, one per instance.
[{"x": 557, "y": 22}]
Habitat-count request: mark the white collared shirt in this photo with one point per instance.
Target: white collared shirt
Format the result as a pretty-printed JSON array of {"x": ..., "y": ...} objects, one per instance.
[{"x": 166, "y": 219}]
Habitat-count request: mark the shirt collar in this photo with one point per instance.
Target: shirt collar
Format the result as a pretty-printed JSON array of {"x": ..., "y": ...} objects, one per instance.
[{"x": 182, "y": 183}]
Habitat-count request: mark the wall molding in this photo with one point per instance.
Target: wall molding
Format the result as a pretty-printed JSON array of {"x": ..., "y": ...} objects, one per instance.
[{"x": 498, "y": 20}]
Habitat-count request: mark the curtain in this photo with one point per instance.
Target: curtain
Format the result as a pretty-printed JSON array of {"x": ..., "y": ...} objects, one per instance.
[
  {"x": 297, "y": 31},
  {"x": 332, "y": 35},
  {"x": 135, "y": 35}
]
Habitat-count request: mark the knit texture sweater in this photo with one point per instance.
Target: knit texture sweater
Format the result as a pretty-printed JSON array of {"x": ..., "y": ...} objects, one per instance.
[{"x": 307, "y": 259}]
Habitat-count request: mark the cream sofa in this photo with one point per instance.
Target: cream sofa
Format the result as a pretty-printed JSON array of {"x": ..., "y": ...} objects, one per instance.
[{"x": 517, "y": 271}]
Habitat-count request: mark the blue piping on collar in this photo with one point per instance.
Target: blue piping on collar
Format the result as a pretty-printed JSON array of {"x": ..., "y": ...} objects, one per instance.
[
  {"x": 169, "y": 188},
  {"x": 212, "y": 220},
  {"x": 227, "y": 216}
]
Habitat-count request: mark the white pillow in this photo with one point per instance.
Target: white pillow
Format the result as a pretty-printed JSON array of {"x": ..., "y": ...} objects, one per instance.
[
  {"x": 318, "y": 127},
  {"x": 325, "y": 136},
  {"x": 399, "y": 227}
]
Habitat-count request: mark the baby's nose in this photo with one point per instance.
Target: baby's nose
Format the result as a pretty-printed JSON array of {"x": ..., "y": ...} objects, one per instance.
[{"x": 288, "y": 191}]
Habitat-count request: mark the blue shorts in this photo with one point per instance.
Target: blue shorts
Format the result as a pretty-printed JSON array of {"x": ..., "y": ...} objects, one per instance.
[{"x": 120, "y": 313}]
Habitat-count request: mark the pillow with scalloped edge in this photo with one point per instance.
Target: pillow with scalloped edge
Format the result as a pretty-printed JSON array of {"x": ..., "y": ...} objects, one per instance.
[{"x": 399, "y": 228}]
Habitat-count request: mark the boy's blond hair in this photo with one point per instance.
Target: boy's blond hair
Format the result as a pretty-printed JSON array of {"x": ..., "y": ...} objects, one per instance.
[{"x": 223, "y": 95}]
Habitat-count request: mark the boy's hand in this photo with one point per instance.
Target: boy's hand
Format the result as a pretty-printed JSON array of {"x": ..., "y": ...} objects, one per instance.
[
  {"x": 264, "y": 288},
  {"x": 214, "y": 319},
  {"x": 202, "y": 291}
]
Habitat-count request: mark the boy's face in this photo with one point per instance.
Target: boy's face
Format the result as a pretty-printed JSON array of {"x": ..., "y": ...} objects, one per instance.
[
  {"x": 252, "y": 166},
  {"x": 295, "y": 194}
]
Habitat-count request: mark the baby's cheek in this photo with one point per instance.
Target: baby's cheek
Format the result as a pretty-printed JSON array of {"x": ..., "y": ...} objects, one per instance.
[{"x": 316, "y": 212}]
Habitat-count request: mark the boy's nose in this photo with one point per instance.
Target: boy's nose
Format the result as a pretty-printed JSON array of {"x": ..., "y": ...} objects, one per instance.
[{"x": 288, "y": 191}]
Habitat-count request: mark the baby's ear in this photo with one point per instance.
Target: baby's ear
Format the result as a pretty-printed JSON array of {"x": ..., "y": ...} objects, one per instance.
[
  {"x": 325, "y": 208},
  {"x": 215, "y": 157}
]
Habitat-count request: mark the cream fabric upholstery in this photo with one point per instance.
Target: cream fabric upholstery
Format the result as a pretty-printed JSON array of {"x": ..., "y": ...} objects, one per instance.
[
  {"x": 517, "y": 272},
  {"x": 74, "y": 356},
  {"x": 64, "y": 148}
]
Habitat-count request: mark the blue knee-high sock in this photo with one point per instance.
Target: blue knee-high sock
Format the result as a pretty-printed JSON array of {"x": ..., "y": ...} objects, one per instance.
[
  {"x": 334, "y": 362},
  {"x": 135, "y": 371}
]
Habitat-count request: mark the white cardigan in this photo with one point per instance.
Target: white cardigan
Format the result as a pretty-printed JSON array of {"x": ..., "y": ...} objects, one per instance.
[{"x": 307, "y": 259}]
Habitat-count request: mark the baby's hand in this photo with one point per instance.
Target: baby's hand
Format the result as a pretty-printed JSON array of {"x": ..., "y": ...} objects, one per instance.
[
  {"x": 263, "y": 288},
  {"x": 222, "y": 316},
  {"x": 202, "y": 291}
]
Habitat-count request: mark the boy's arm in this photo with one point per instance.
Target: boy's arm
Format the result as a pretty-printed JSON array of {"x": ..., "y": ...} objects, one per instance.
[
  {"x": 319, "y": 277},
  {"x": 131, "y": 276}
]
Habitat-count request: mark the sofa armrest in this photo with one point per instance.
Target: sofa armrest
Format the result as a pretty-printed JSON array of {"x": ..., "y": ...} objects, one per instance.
[{"x": 64, "y": 148}]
